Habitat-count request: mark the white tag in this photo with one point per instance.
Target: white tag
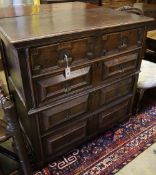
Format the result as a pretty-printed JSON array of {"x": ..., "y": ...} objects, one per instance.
[{"x": 67, "y": 72}]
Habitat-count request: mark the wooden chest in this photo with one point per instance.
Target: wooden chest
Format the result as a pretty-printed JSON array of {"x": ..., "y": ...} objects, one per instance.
[{"x": 103, "y": 50}]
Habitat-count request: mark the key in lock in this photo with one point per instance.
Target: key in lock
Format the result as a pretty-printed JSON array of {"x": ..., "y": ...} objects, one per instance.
[{"x": 67, "y": 69}]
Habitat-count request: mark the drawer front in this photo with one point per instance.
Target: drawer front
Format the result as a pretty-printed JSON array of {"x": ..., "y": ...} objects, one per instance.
[
  {"x": 117, "y": 90},
  {"x": 114, "y": 115},
  {"x": 65, "y": 137},
  {"x": 51, "y": 57},
  {"x": 115, "y": 42},
  {"x": 118, "y": 65},
  {"x": 64, "y": 112},
  {"x": 58, "y": 86}
]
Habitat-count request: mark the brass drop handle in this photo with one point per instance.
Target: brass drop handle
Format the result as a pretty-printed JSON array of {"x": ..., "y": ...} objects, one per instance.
[
  {"x": 124, "y": 43},
  {"x": 104, "y": 52},
  {"x": 67, "y": 69},
  {"x": 37, "y": 68},
  {"x": 122, "y": 46},
  {"x": 67, "y": 89},
  {"x": 67, "y": 117},
  {"x": 90, "y": 55}
]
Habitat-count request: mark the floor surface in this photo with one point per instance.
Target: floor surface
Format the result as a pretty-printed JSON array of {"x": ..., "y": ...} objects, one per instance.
[{"x": 144, "y": 164}]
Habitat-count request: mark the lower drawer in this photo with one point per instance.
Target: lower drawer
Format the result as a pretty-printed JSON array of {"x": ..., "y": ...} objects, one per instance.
[
  {"x": 64, "y": 137},
  {"x": 64, "y": 112},
  {"x": 114, "y": 114}
]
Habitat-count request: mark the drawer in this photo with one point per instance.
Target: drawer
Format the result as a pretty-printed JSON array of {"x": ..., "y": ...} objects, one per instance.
[
  {"x": 117, "y": 90},
  {"x": 119, "y": 65},
  {"x": 64, "y": 112},
  {"x": 115, "y": 42},
  {"x": 64, "y": 137},
  {"x": 114, "y": 115},
  {"x": 58, "y": 86},
  {"x": 52, "y": 57}
]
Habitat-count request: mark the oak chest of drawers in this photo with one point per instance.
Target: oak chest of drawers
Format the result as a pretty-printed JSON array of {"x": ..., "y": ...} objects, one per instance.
[{"x": 103, "y": 50}]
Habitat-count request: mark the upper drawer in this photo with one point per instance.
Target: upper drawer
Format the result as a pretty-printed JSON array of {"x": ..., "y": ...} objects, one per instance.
[
  {"x": 64, "y": 137},
  {"x": 118, "y": 65},
  {"x": 52, "y": 56},
  {"x": 117, "y": 90},
  {"x": 58, "y": 86},
  {"x": 115, "y": 42}
]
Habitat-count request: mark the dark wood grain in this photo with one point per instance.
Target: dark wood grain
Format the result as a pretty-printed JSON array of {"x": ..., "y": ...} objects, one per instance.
[{"x": 47, "y": 25}]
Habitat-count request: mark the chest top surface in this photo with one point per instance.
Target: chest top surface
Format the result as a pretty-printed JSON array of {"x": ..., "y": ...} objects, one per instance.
[{"x": 56, "y": 23}]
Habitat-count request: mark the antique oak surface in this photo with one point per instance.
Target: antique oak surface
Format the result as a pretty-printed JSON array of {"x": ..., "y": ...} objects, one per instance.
[
  {"x": 72, "y": 73},
  {"x": 47, "y": 25}
]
